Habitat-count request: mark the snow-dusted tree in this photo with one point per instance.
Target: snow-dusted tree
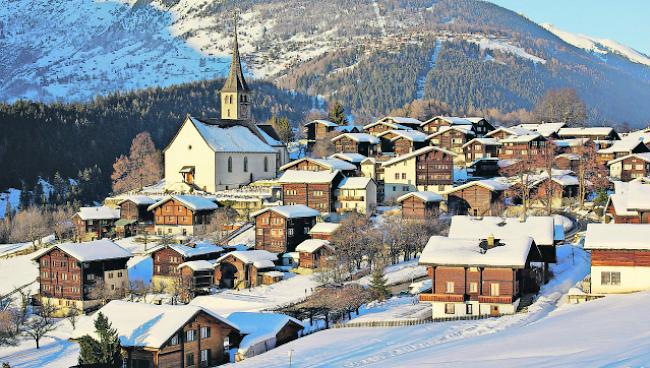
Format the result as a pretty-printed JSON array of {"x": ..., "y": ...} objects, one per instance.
[
  {"x": 378, "y": 288},
  {"x": 336, "y": 114},
  {"x": 29, "y": 225},
  {"x": 61, "y": 224},
  {"x": 216, "y": 229},
  {"x": 41, "y": 323},
  {"x": 524, "y": 174},
  {"x": 142, "y": 167},
  {"x": 72, "y": 316},
  {"x": 543, "y": 160},
  {"x": 104, "y": 351},
  {"x": 592, "y": 175},
  {"x": 282, "y": 127}
]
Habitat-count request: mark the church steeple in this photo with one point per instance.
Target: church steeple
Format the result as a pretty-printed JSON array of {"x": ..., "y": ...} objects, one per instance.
[{"x": 235, "y": 98}]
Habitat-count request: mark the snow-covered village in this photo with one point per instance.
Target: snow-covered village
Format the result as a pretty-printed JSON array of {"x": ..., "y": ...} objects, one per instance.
[{"x": 442, "y": 183}]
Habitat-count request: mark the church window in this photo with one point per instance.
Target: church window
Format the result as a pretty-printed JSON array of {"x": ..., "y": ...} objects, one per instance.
[
  {"x": 266, "y": 164},
  {"x": 229, "y": 164},
  {"x": 245, "y": 164}
]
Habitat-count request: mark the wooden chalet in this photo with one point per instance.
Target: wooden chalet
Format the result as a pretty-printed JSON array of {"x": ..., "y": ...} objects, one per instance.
[
  {"x": 481, "y": 126},
  {"x": 262, "y": 332},
  {"x": 548, "y": 130},
  {"x": 477, "y": 198},
  {"x": 196, "y": 277},
  {"x": 574, "y": 145},
  {"x": 392, "y": 123},
  {"x": 567, "y": 161},
  {"x": 620, "y": 257},
  {"x": 630, "y": 167},
  {"x": 134, "y": 216},
  {"x": 434, "y": 124},
  {"x": 74, "y": 275},
  {"x": 453, "y": 138},
  {"x": 319, "y": 129},
  {"x": 182, "y": 214},
  {"x": 420, "y": 205},
  {"x": 427, "y": 169},
  {"x": 158, "y": 336},
  {"x": 323, "y": 230},
  {"x": 487, "y": 167},
  {"x": 593, "y": 133},
  {"x": 280, "y": 229},
  {"x": 479, "y": 277},
  {"x": 505, "y": 132},
  {"x": 168, "y": 258},
  {"x": 362, "y": 143},
  {"x": 318, "y": 164},
  {"x": 312, "y": 189},
  {"x": 402, "y": 142},
  {"x": 561, "y": 186},
  {"x": 314, "y": 253},
  {"x": 621, "y": 149},
  {"x": 522, "y": 146},
  {"x": 479, "y": 148},
  {"x": 243, "y": 269},
  {"x": 93, "y": 223},
  {"x": 629, "y": 204}
]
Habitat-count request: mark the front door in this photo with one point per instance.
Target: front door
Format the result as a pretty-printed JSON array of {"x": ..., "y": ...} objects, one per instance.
[{"x": 494, "y": 310}]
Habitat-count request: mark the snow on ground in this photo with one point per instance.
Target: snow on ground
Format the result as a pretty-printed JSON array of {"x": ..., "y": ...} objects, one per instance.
[
  {"x": 504, "y": 46},
  {"x": 17, "y": 271},
  {"x": 393, "y": 309},
  {"x": 566, "y": 223},
  {"x": 399, "y": 273},
  {"x": 8, "y": 249},
  {"x": 355, "y": 347}
]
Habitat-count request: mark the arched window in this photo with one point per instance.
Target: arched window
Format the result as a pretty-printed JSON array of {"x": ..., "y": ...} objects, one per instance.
[
  {"x": 229, "y": 164},
  {"x": 266, "y": 164},
  {"x": 245, "y": 164}
]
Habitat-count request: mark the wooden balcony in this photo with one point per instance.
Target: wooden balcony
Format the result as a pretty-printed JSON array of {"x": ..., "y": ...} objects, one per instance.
[
  {"x": 495, "y": 299},
  {"x": 352, "y": 198},
  {"x": 449, "y": 298}
]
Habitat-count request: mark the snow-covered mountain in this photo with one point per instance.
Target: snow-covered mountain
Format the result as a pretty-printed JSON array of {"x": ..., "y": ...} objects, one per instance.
[{"x": 599, "y": 45}]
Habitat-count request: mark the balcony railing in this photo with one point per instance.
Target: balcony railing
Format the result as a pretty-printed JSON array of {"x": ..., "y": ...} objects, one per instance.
[
  {"x": 442, "y": 298},
  {"x": 495, "y": 299},
  {"x": 351, "y": 198}
]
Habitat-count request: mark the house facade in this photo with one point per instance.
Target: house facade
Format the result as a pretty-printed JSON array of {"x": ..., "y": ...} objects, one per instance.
[
  {"x": 420, "y": 205},
  {"x": 182, "y": 214},
  {"x": 630, "y": 167},
  {"x": 521, "y": 146},
  {"x": 453, "y": 138},
  {"x": 93, "y": 223},
  {"x": 357, "y": 195},
  {"x": 314, "y": 253},
  {"x": 135, "y": 218},
  {"x": 477, "y": 198},
  {"x": 314, "y": 189},
  {"x": 362, "y": 143},
  {"x": 479, "y": 148},
  {"x": 629, "y": 204},
  {"x": 243, "y": 269},
  {"x": 167, "y": 259},
  {"x": 280, "y": 229}
]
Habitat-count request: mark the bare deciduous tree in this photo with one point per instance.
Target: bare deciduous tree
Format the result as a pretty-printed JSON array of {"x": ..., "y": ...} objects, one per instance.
[
  {"x": 31, "y": 225},
  {"x": 142, "y": 167},
  {"x": 41, "y": 323},
  {"x": 561, "y": 105}
]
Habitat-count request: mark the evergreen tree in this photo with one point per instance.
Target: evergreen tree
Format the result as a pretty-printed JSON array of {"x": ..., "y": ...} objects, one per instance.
[
  {"x": 337, "y": 114},
  {"x": 282, "y": 127},
  {"x": 378, "y": 287},
  {"x": 25, "y": 196},
  {"x": 106, "y": 350}
]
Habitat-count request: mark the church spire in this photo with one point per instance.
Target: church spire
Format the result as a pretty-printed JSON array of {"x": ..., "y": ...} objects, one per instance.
[{"x": 235, "y": 81}]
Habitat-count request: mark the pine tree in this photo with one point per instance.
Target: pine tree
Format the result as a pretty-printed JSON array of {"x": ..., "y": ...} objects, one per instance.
[
  {"x": 378, "y": 287},
  {"x": 25, "y": 200},
  {"x": 337, "y": 114},
  {"x": 282, "y": 127},
  {"x": 106, "y": 350}
]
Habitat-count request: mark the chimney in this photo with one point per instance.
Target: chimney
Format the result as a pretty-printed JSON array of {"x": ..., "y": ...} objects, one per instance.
[{"x": 490, "y": 241}]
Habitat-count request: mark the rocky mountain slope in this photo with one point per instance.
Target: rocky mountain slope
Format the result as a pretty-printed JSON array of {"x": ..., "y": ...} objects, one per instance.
[{"x": 374, "y": 55}]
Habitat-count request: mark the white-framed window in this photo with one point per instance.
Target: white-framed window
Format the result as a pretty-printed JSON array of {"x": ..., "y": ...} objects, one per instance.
[
  {"x": 450, "y": 287},
  {"x": 174, "y": 340},
  {"x": 90, "y": 276},
  {"x": 205, "y": 355},
  {"x": 494, "y": 289},
  {"x": 450, "y": 308},
  {"x": 205, "y": 332},
  {"x": 468, "y": 309},
  {"x": 190, "y": 335},
  {"x": 473, "y": 287},
  {"x": 610, "y": 278},
  {"x": 290, "y": 231}
]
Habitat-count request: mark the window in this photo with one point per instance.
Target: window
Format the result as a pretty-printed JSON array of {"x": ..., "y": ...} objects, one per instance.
[
  {"x": 229, "y": 164},
  {"x": 403, "y": 176},
  {"x": 266, "y": 164},
  {"x": 468, "y": 309},
  {"x": 205, "y": 356},
  {"x": 189, "y": 359},
  {"x": 205, "y": 332},
  {"x": 91, "y": 276},
  {"x": 260, "y": 232},
  {"x": 494, "y": 289},
  {"x": 290, "y": 232},
  {"x": 396, "y": 176},
  {"x": 245, "y": 164},
  {"x": 473, "y": 287},
  {"x": 174, "y": 340},
  {"x": 450, "y": 287},
  {"x": 119, "y": 274},
  {"x": 318, "y": 193},
  {"x": 110, "y": 275},
  {"x": 190, "y": 335},
  {"x": 450, "y": 308},
  {"x": 610, "y": 278}
]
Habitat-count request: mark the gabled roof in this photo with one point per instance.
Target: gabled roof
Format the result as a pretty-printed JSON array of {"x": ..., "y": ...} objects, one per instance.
[
  {"x": 416, "y": 153},
  {"x": 99, "y": 213},
  {"x": 411, "y": 135},
  {"x": 630, "y": 197},
  {"x": 260, "y": 327},
  {"x": 195, "y": 249},
  {"x": 540, "y": 228},
  {"x": 522, "y": 138},
  {"x": 569, "y": 156},
  {"x": 545, "y": 129},
  {"x": 140, "y": 200},
  {"x": 96, "y": 250},
  {"x": 146, "y": 325},
  {"x": 452, "y": 251},
  {"x": 357, "y": 182},
  {"x": 511, "y": 130},
  {"x": 490, "y": 184},
  {"x": 324, "y": 122},
  {"x": 312, "y": 245},
  {"x": 235, "y": 136},
  {"x": 617, "y": 236},
  {"x": 290, "y": 211},
  {"x": 270, "y": 136},
  {"x": 483, "y": 141},
  {"x": 258, "y": 258},
  {"x": 331, "y": 164},
  {"x": 426, "y": 196},
  {"x": 193, "y": 202},
  {"x": 324, "y": 228},
  {"x": 395, "y": 122},
  {"x": 453, "y": 120},
  {"x": 358, "y": 137},
  {"x": 645, "y": 156},
  {"x": 349, "y": 128},
  {"x": 465, "y": 129},
  {"x": 586, "y": 131},
  {"x": 352, "y": 157},
  {"x": 571, "y": 142},
  {"x": 312, "y": 177},
  {"x": 200, "y": 265},
  {"x": 623, "y": 146}
]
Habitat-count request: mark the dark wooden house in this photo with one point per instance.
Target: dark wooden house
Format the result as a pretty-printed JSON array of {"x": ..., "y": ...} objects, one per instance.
[
  {"x": 182, "y": 214},
  {"x": 522, "y": 146},
  {"x": 135, "y": 218},
  {"x": 95, "y": 222},
  {"x": 477, "y": 198},
  {"x": 452, "y": 138},
  {"x": 243, "y": 269},
  {"x": 630, "y": 167},
  {"x": 312, "y": 189},
  {"x": 280, "y": 229},
  {"x": 420, "y": 205},
  {"x": 363, "y": 143},
  {"x": 479, "y": 148},
  {"x": 168, "y": 258}
]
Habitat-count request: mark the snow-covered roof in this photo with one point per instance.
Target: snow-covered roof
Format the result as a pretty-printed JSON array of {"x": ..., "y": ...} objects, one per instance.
[
  {"x": 195, "y": 249},
  {"x": 290, "y": 211},
  {"x": 356, "y": 182},
  {"x": 349, "y": 157},
  {"x": 324, "y": 228},
  {"x": 453, "y": 120},
  {"x": 236, "y": 138},
  {"x": 571, "y": 142},
  {"x": 411, "y": 135},
  {"x": 257, "y": 257},
  {"x": 423, "y": 195},
  {"x": 545, "y": 129},
  {"x": 483, "y": 141},
  {"x": 349, "y": 128},
  {"x": 193, "y": 202},
  {"x": 585, "y": 131},
  {"x": 269, "y": 134},
  {"x": 490, "y": 184},
  {"x": 96, "y": 250},
  {"x": 617, "y": 236},
  {"x": 622, "y": 146},
  {"x": 312, "y": 177},
  {"x": 416, "y": 153},
  {"x": 329, "y": 163},
  {"x": 541, "y": 228},
  {"x": 465, "y": 129},
  {"x": 403, "y": 120},
  {"x": 312, "y": 245},
  {"x": 327, "y": 123},
  {"x": 565, "y": 180},
  {"x": 630, "y": 197},
  {"x": 452, "y": 251},
  {"x": 522, "y": 138},
  {"x": 387, "y": 123},
  {"x": 260, "y": 327},
  {"x": 569, "y": 156},
  {"x": 475, "y": 119},
  {"x": 358, "y": 137},
  {"x": 143, "y": 324},
  {"x": 99, "y": 213},
  {"x": 645, "y": 156},
  {"x": 200, "y": 265},
  {"x": 511, "y": 130},
  {"x": 138, "y": 199}
]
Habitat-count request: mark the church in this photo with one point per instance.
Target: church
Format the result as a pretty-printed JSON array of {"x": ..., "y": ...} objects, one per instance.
[{"x": 226, "y": 152}]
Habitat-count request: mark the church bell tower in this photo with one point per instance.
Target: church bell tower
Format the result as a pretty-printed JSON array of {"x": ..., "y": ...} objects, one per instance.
[{"x": 235, "y": 95}]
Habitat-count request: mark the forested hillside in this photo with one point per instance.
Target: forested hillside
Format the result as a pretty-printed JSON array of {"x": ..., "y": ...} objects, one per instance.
[{"x": 40, "y": 139}]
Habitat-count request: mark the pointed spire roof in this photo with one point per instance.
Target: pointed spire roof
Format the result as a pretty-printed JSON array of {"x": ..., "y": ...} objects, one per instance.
[{"x": 235, "y": 81}]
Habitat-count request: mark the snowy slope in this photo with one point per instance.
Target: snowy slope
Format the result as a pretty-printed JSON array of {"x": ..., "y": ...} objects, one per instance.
[{"x": 599, "y": 45}]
